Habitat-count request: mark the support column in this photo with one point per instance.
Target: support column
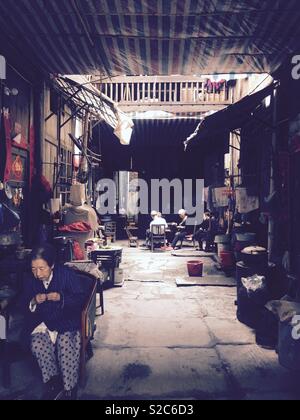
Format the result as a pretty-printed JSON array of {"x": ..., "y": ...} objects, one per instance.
[
  {"x": 39, "y": 125},
  {"x": 272, "y": 225}
]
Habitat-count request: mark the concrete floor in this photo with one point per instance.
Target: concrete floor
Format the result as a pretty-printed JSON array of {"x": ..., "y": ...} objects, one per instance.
[{"x": 160, "y": 341}]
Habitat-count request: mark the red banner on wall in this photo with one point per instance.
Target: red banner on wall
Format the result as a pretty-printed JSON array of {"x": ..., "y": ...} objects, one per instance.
[{"x": 7, "y": 128}]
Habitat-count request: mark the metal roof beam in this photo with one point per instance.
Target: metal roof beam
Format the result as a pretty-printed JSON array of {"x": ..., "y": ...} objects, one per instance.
[{"x": 195, "y": 14}]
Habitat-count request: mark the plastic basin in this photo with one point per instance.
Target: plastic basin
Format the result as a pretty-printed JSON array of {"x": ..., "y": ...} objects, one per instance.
[{"x": 195, "y": 268}]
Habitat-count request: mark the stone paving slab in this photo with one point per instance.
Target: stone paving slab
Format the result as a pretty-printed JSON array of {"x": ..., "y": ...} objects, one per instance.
[
  {"x": 272, "y": 396},
  {"x": 257, "y": 370},
  {"x": 211, "y": 281},
  {"x": 132, "y": 331},
  {"x": 216, "y": 293},
  {"x": 228, "y": 331},
  {"x": 192, "y": 254},
  {"x": 218, "y": 307},
  {"x": 26, "y": 382},
  {"x": 139, "y": 290},
  {"x": 157, "y": 309},
  {"x": 144, "y": 276},
  {"x": 189, "y": 373}
]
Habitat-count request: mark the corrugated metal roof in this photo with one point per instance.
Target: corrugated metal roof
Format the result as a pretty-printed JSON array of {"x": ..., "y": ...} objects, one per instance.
[
  {"x": 231, "y": 118},
  {"x": 153, "y": 36},
  {"x": 86, "y": 97}
]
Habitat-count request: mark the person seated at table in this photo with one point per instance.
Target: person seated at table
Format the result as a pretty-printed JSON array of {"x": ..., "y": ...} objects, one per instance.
[
  {"x": 53, "y": 300},
  {"x": 148, "y": 231},
  {"x": 158, "y": 220},
  {"x": 203, "y": 233},
  {"x": 182, "y": 229}
]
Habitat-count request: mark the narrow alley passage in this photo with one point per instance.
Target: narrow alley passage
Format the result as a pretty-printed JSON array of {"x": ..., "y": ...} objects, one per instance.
[{"x": 158, "y": 341}]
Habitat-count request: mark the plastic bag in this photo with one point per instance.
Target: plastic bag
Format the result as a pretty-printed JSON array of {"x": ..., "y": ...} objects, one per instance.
[
  {"x": 284, "y": 310},
  {"x": 252, "y": 298},
  {"x": 254, "y": 283}
]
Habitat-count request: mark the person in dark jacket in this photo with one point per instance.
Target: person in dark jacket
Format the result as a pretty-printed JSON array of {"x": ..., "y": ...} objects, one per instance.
[
  {"x": 54, "y": 299},
  {"x": 203, "y": 233}
]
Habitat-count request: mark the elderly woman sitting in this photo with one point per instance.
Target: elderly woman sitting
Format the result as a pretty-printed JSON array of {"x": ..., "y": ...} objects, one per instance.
[
  {"x": 182, "y": 228},
  {"x": 54, "y": 299}
]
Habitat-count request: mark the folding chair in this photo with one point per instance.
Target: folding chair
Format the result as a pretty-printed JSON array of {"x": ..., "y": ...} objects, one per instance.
[
  {"x": 110, "y": 230},
  {"x": 190, "y": 239},
  {"x": 158, "y": 234}
]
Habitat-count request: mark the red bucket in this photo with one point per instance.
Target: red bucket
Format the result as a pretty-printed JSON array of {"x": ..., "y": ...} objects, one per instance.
[
  {"x": 195, "y": 268},
  {"x": 226, "y": 258}
]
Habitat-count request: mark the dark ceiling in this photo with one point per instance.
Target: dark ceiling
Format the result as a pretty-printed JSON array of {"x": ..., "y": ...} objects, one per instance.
[
  {"x": 152, "y": 37},
  {"x": 157, "y": 150}
]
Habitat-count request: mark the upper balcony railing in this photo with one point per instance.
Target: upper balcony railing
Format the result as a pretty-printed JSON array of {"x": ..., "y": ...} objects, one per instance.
[{"x": 136, "y": 93}]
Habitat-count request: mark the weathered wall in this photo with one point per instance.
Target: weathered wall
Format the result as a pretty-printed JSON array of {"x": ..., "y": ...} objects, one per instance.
[{"x": 52, "y": 156}]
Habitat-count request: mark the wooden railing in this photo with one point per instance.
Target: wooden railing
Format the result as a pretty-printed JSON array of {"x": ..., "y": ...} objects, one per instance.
[{"x": 146, "y": 92}]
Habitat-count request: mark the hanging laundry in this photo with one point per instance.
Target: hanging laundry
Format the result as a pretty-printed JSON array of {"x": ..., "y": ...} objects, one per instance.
[
  {"x": 206, "y": 194},
  {"x": 78, "y": 252},
  {"x": 220, "y": 197},
  {"x": 212, "y": 87},
  {"x": 244, "y": 202},
  {"x": 232, "y": 202}
]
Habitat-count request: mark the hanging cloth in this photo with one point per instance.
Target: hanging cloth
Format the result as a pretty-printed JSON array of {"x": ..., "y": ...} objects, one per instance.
[
  {"x": 7, "y": 131},
  {"x": 244, "y": 202},
  {"x": 220, "y": 197}
]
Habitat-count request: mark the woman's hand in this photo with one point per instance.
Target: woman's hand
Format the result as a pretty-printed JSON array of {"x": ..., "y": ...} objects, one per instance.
[
  {"x": 41, "y": 298},
  {"x": 54, "y": 297}
]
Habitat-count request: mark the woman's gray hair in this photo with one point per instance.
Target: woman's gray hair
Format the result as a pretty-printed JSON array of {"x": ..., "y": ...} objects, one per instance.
[{"x": 44, "y": 252}]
